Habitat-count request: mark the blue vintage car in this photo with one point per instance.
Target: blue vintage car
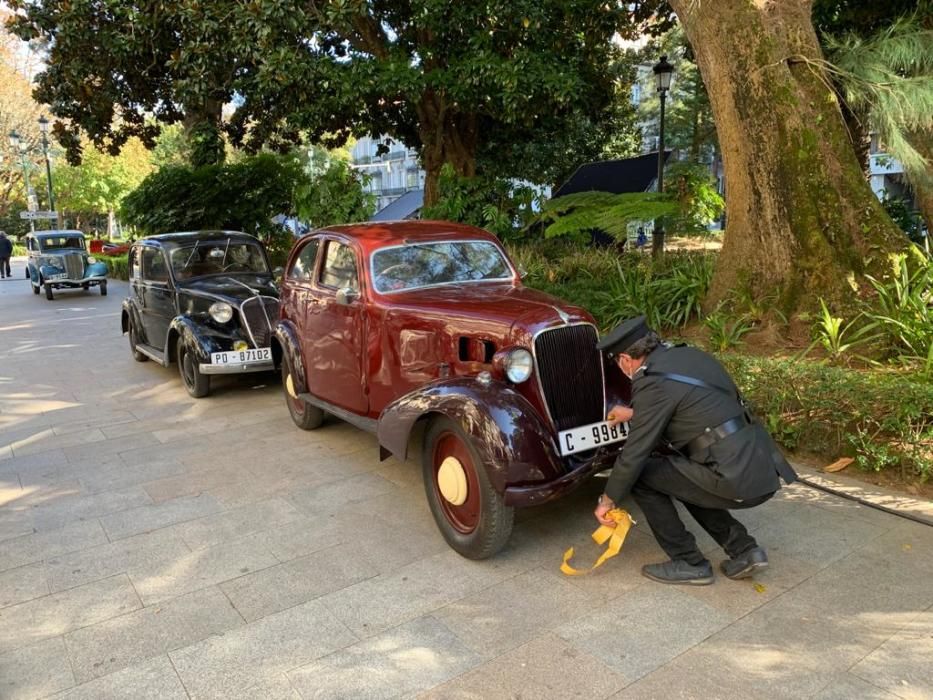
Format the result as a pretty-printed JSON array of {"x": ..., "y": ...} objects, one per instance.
[{"x": 59, "y": 260}]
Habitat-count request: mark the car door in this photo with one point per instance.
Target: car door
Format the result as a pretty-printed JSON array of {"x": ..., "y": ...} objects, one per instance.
[
  {"x": 156, "y": 296},
  {"x": 333, "y": 337}
]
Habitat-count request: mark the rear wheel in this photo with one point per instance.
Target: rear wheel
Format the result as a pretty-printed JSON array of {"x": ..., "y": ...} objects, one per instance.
[
  {"x": 469, "y": 512},
  {"x": 196, "y": 384},
  {"x": 304, "y": 415},
  {"x": 134, "y": 341}
]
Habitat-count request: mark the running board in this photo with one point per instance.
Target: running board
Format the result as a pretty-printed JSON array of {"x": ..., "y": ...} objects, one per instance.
[
  {"x": 361, "y": 422},
  {"x": 152, "y": 353}
]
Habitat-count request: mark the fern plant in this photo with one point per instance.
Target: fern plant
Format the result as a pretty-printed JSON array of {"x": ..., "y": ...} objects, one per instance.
[{"x": 578, "y": 214}]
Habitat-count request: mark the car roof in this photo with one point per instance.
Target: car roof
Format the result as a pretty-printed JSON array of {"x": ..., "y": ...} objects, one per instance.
[
  {"x": 183, "y": 237},
  {"x": 381, "y": 234},
  {"x": 63, "y": 232}
]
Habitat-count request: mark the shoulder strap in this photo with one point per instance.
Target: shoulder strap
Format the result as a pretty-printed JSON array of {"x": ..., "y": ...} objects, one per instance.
[{"x": 692, "y": 381}]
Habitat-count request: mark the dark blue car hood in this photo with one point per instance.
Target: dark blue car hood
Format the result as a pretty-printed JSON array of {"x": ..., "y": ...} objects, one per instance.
[{"x": 230, "y": 288}]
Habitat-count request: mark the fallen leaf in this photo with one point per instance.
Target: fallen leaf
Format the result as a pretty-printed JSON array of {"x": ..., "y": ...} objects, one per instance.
[
  {"x": 760, "y": 588},
  {"x": 838, "y": 465},
  {"x": 906, "y": 547}
]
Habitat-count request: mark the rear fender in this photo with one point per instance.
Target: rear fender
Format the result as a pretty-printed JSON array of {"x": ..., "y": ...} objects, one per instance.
[
  {"x": 287, "y": 336},
  {"x": 516, "y": 446},
  {"x": 130, "y": 312}
]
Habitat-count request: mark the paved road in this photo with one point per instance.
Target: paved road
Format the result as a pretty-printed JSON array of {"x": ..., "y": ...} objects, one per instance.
[{"x": 152, "y": 545}]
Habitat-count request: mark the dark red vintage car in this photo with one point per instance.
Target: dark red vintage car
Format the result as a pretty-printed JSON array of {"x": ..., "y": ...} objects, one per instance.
[{"x": 394, "y": 326}]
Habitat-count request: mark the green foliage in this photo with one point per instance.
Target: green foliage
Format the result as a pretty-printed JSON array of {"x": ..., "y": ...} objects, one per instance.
[
  {"x": 838, "y": 338},
  {"x": 726, "y": 331},
  {"x": 903, "y": 311},
  {"x": 241, "y": 196},
  {"x": 206, "y": 144},
  {"x": 883, "y": 419},
  {"x": 117, "y": 265},
  {"x": 903, "y": 215},
  {"x": 576, "y": 215},
  {"x": 495, "y": 204},
  {"x": 612, "y": 287},
  {"x": 698, "y": 199},
  {"x": 889, "y": 77},
  {"x": 330, "y": 191}
]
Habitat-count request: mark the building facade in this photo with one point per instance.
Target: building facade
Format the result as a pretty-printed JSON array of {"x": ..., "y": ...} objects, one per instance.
[{"x": 390, "y": 175}]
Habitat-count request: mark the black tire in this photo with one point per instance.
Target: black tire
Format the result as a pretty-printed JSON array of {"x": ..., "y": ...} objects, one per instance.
[
  {"x": 48, "y": 292},
  {"x": 196, "y": 384},
  {"x": 304, "y": 415},
  {"x": 103, "y": 288},
  {"x": 131, "y": 332},
  {"x": 35, "y": 288},
  {"x": 481, "y": 526}
]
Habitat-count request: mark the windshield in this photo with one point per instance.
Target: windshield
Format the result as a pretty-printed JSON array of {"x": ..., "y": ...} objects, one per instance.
[
  {"x": 432, "y": 264},
  {"x": 217, "y": 257},
  {"x": 48, "y": 243}
]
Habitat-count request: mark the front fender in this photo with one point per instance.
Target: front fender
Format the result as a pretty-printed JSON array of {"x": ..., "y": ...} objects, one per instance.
[
  {"x": 516, "y": 445},
  {"x": 287, "y": 335},
  {"x": 97, "y": 269},
  {"x": 47, "y": 271},
  {"x": 194, "y": 338}
]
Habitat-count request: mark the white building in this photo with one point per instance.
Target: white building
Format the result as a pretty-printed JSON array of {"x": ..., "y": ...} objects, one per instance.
[{"x": 390, "y": 175}]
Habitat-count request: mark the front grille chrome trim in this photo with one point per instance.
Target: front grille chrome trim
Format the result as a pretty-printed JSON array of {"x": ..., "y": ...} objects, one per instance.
[
  {"x": 74, "y": 265},
  {"x": 538, "y": 377},
  {"x": 259, "y": 337}
]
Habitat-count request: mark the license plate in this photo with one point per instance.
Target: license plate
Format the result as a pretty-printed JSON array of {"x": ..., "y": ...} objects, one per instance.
[
  {"x": 589, "y": 437},
  {"x": 242, "y": 357},
  {"x": 59, "y": 276}
]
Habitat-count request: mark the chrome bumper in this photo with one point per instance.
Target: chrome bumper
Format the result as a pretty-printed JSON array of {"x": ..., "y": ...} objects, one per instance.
[
  {"x": 208, "y": 368},
  {"x": 74, "y": 282}
]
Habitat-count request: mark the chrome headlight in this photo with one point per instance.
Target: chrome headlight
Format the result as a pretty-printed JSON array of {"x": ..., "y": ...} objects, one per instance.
[
  {"x": 518, "y": 365},
  {"x": 91, "y": 260},
  {"x": 221, "y": 311}
]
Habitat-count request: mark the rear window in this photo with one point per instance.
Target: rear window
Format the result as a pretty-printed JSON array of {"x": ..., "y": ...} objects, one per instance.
[{"x": 433, "y": 264}]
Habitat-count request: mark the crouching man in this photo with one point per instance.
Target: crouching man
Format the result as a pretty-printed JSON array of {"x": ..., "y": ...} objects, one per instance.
[{"x": 720, "y": 459}]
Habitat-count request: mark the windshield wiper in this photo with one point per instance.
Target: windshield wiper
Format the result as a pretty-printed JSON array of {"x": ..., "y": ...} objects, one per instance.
[{"x": 193, "y": 251}]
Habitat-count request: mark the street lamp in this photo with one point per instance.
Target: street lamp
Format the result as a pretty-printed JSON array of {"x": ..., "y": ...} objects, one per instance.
[
  {"x": 662, "y": 77},
  {"x": 44, "y": 128},
  {"x": 19, "y": 145}
]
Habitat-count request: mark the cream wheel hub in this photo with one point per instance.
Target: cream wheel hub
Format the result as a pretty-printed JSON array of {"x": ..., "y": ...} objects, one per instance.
[
  {"x": 290, "y": 386},
  {"x": 452, "y": 481}
]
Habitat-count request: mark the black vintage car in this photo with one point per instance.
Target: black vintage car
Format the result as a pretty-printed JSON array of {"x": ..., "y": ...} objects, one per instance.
[{"x": 206, "y": 300}]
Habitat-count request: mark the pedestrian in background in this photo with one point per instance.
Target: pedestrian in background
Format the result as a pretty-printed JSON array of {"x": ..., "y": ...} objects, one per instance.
[{"x": 6, "y": 251}]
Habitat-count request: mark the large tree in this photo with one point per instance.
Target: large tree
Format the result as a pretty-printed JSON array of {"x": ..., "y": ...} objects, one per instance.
[
  {"x": 801, "y": 218},
  {"x": 439, "y": 76}
]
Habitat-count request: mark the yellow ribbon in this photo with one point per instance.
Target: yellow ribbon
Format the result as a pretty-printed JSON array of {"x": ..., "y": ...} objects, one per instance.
[{"x": 615, "y": 535}]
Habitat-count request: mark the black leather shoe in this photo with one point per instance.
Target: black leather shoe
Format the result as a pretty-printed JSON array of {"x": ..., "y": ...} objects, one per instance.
[
  {"x": 746, "y": 564},
  {"x": 680, "y": 572}
]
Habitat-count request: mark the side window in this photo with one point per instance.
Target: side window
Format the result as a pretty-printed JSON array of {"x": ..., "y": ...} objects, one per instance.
[
  {"x": 339, "y": 269},
  {"x": 154, "y": 267},
  {"x": 132, "y": 264},
  {"x": 303, "y": 267}
]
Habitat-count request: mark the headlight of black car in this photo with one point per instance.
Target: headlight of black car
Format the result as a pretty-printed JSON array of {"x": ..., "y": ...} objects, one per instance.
[{"x": 221, "y": 311}]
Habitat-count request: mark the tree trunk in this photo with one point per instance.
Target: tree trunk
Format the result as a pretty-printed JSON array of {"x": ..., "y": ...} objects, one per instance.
[
  {"x": 447, "y": 136},
  {"x": 202, "y": 129},
  {"x": 923, "y": 187},
  {"x": 803, "y": 222}
]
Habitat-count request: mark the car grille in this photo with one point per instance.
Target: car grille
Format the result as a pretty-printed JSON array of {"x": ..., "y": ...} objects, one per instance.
[
  {"x": 258, "y": 323},
  {"x": 570, "y": 373},
  {"x": 74, "y": 266}
]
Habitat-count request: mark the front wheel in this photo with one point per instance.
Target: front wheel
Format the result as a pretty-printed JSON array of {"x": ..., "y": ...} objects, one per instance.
[
  {"x": 103, "y": 288},
  {"x": 304, "y": 415},
  {"x": 35, "y": 288},
  {"x": 469, "y": 512},
  {"x": 196, "y": 384},
  {"x": 48, "y": 292}
]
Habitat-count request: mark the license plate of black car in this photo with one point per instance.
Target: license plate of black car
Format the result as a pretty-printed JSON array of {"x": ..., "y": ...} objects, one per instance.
[
  {"x": 589, "y": 437},
  {"x": 241, "y": 357}
]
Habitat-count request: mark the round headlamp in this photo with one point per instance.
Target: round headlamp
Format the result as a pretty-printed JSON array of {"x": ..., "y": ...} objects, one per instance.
[
  {"x": 91, "y": 260},
  {"x": 518, "y": 364},
  {"x": 221, "y": 311}
]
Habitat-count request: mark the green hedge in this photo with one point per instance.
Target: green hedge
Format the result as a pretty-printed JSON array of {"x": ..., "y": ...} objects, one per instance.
[
  {"x": 19, "y": 250},
  {"x": 884, "y": 419},
  {"x": 117, "y": 265}
]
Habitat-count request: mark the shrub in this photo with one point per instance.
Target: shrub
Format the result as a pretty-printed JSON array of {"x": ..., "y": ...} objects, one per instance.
[
  {"x": 884, "y": 419},
  {"x": 117, "y": 265}
]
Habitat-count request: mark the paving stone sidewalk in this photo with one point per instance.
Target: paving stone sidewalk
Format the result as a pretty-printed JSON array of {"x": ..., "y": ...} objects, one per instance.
[{"x": 155, "y": 546}]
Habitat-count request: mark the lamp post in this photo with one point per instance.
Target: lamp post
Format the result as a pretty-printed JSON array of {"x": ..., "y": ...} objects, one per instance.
[
  {"x": 18, "y": 145},
  {"x": 662, "y": 77},
  {"x": 44, "y": 128}
]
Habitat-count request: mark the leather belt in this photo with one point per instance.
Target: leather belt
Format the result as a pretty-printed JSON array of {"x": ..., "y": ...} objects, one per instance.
[{"x": 711, "y": 436}]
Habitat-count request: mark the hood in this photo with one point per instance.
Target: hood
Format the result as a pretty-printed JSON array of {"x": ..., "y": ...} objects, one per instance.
[
  {"x": 229, "y": 288},
  {"x": 501, "y": 309}
]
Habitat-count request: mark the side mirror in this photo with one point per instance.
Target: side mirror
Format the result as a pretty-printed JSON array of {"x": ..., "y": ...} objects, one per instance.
[
  {"x": 347, "y": 296},
  {"x": 522, "y": 272},
  {"x": 277, "y": 272}
]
